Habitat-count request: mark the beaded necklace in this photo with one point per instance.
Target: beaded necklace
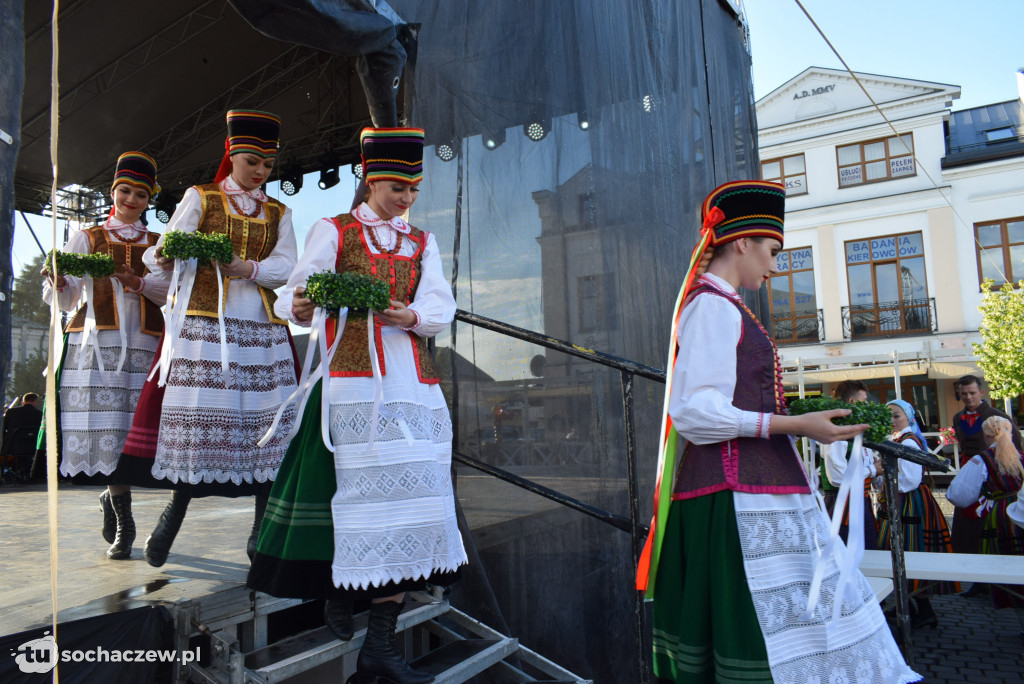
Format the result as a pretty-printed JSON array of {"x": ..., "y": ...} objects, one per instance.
[
  {"x": 372, "y": 232},
  {"x": 238, "y": 209},
  {"x": 120, "y": 236},
  {"x": 780, "y": 394}
]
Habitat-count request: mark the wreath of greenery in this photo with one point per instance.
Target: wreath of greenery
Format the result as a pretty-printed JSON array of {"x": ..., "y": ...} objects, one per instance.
[
  {"x": 204, "y": 247},
  {"x": 82, "y": 265},
  {"x": 875, "y": 415},
  {"x": 359, "y": 293}
]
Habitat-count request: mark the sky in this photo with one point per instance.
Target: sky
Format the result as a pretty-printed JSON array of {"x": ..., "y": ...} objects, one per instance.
[
  {"x": 971, "y": 44},
  {"x": 974, "y": 44}
]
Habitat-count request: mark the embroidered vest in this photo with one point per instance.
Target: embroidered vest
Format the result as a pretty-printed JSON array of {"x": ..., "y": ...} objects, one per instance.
[
  {"x": 402, "y": 274},
  {"x": 744, "y": 464},
  {"x": 252, "y": 239},
  {"x": 998, "y": 533},
  {"x": 103, "y": 289}
]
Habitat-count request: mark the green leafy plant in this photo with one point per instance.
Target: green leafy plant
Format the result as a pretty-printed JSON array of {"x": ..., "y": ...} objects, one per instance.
[
  {"x": 82, "y": 265},
  {"x": 359, "y": 293},
  {"x": 875, "y": 415},
  {"x": 204, "y": 247},
  {"x": 1001, "y": 352}
]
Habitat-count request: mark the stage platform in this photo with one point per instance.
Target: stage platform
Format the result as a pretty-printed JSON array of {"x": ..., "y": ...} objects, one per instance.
[{"x": 208, "y": 555}]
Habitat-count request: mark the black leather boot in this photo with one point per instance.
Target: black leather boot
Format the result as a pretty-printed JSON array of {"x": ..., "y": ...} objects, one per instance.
[
  {"x": 158, "y": 544},
  {"x": 338, "y": 618},
  {"x": 257, "y": 520},
  {"x": 925, "y": 615},
  {"x": 379, "y": 661},
  {"x": 109, "y": 517},
  {"x": 124, "y": 537}
]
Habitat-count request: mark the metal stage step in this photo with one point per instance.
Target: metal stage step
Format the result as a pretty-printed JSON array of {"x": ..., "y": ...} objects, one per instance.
[{"x": 444, "y": 642}]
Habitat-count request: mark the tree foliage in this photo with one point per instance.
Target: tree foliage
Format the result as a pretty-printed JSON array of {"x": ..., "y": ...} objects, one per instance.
[
  {"x": 26, "y": 300},
  {"x": 1001, "y": 353}
]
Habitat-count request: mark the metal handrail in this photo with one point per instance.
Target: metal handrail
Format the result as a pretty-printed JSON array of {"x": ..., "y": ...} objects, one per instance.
[
  {"x": 889, "y": 319},
  {"x": 556, "y": 344}
]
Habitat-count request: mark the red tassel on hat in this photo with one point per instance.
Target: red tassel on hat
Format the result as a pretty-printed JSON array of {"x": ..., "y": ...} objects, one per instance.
[{"x": 225, "y": 164}]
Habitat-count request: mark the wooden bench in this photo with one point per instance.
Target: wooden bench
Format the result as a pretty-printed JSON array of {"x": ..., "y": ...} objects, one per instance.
[{"x": 952, "y": 567}]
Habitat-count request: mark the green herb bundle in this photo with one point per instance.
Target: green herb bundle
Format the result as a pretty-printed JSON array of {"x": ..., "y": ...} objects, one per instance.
[
  {"x": 82, "y": 265},
  {"x": 359, "y": 293},
  {"x": 204, "y": 247},
  {"x": 875, "y": 415}
]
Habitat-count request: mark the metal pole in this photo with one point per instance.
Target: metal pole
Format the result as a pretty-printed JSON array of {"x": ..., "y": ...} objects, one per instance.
[
  {"x": 635, "y": 533},
  {"x": 896, "y": 372},
  {"x": 890, "y": 465}
]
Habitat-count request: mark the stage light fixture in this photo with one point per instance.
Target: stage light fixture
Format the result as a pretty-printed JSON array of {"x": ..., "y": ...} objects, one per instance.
[
  {"x": 165, "y": 206},
  {"x": 648, "y": 104},
  {"x": 447, "y": 151},
  {"x": 537, "y": 130},
  {"x": 328, "y": 177},
  {"x": 493, "y": 141},
  {"x": 357, "y": 170},
  {"x": 291, "y": 182},
  {"x": 583, "y": 120}
]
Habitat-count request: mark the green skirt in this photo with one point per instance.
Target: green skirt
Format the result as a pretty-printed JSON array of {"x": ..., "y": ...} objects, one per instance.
[
  {"x": 705, "y": 628},
  {"x": 296, "y": 543}
]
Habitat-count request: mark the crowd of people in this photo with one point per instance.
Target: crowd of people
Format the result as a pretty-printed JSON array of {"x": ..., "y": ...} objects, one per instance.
[{"x": 349, "y": 467}]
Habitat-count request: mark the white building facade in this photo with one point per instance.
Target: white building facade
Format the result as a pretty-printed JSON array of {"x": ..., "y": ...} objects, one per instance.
[{"x": 881, "y": 263}]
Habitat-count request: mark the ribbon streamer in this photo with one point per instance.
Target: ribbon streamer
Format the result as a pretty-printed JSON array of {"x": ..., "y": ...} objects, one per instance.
[
  {"x": 89, "y": 333},
  {"x": 225, "y": 367},
  {"x": 120, "y": 305},
  {"x": 318, "y": 332},
  {"x": 184, "y": 272},
  {"x": 847, "y": 557}
]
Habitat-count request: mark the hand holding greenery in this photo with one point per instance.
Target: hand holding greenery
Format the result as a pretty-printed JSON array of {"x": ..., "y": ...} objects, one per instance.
[
  {"x": 82, "y": 265},
  {"x": 875, "y": 415},
  {"x": 359, "y": 293},
  {"x": 204, "y": 247}
]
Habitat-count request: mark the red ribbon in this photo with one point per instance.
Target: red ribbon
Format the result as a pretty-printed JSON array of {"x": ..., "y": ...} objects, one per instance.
[
  {"x": 712, "y": 219},
  {"x": 225, "y": 164}
]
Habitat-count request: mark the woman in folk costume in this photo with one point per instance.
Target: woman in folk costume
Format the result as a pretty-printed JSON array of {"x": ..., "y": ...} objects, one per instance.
[
  {"x": 924, "y": 525},
  {"x": 109, "y": 346},
  {"x": 836, "y": 458},
  {"x": 734, "y": 563},
  {"x": 995, "y": 476},
  {"x": 227, "y": 362},
  {"x": 375, "y": 518}
]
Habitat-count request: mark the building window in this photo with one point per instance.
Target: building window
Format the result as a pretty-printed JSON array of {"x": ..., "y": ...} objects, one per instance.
[
  {"x": 793, "y": 302},
  {"x": 876, "y": 160},
  {"x": 595, "y": 296},
  {"x": 888, "y": 290},
  {"x": 788, "y": 171},
  {"x": 1000, "y": 246}
]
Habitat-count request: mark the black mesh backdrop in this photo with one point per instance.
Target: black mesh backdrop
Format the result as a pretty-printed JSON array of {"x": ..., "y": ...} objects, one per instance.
[{"x": 584, "y": 236}]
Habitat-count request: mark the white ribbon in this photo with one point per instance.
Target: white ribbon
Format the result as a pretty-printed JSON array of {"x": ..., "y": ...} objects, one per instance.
[
  {"x": 89, "y": 330},
  {"x": 120, "y": 305},
  {"x": 174, "y": 315},
  {"x": 317, "y": 341},
  {"x": 225, "y": 368},
  {"x": 847, "y": 558}
]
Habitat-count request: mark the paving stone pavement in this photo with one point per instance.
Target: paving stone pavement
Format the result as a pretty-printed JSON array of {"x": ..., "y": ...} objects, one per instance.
[{"x": 973, "y": 643}]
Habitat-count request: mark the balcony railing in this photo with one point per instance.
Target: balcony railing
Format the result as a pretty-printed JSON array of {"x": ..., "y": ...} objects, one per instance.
[
  {"x": 889, "y": 319},
  {"x": 804, "y": 327}
]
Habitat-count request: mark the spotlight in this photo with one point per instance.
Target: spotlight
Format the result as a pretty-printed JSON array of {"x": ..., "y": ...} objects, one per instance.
[
  {"x": 357, "y": 170},
  {"x": 328, "y": 177},
  {"x": 493, "y": 141},
  {"x": 537, "y": 130},
  {"x": 648, "y": 104},
  {"x": 447, "y": 151},
  {"x": 583, "y": 120},
  {"x": 164, "y": 207},
  {"x": 291, "y": 183}
]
